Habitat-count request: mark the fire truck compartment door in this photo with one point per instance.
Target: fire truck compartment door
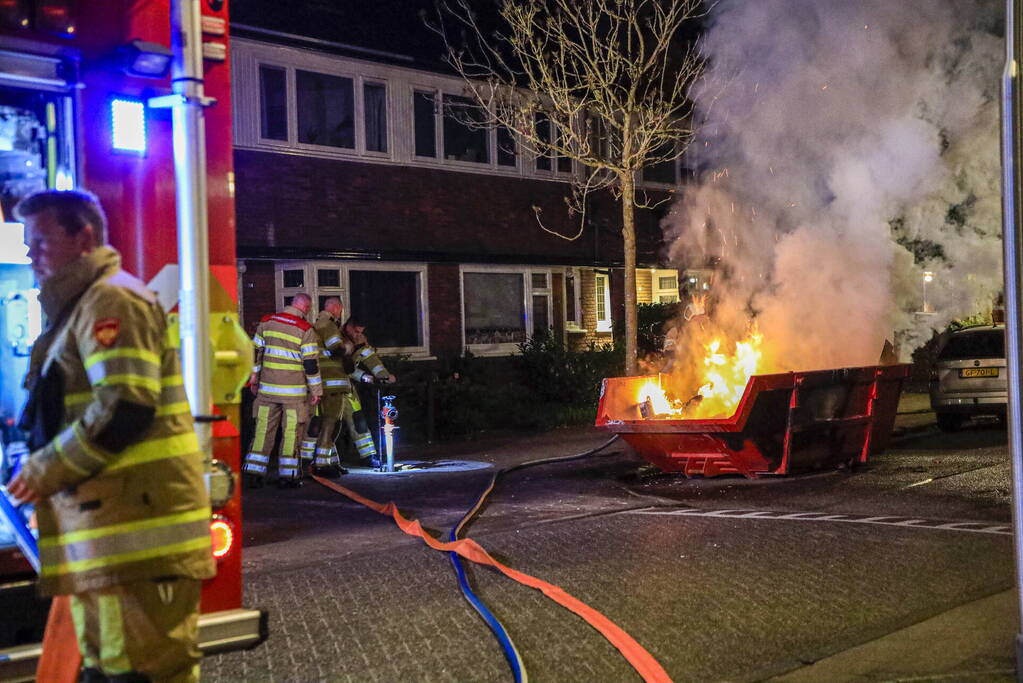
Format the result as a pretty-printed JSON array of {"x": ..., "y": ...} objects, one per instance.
[{"x": 227, "y": 631}]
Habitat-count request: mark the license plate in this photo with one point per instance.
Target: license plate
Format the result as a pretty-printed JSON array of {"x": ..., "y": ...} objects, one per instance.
[{"x": 978, "y": 372}]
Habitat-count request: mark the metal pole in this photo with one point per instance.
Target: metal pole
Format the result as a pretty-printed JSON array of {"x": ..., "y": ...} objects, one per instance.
[
  {"x": 193, "y": 237},
  {"x": 1012, "y": 240}
]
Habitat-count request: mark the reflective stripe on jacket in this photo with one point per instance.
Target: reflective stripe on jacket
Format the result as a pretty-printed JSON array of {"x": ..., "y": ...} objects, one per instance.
[
  {"x": 335, "y": 346},
  {"x": 366, "y": 359},
  {"x": 123, "y": 479},
  {"x": 287, "y": 351}
]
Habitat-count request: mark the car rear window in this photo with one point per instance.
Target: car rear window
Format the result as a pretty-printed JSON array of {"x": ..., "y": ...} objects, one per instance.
[{"x": 977, "y": 344}]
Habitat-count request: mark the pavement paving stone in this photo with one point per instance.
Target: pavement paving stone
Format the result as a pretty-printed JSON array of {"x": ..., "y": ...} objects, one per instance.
[{"x": 785, "y": 598}]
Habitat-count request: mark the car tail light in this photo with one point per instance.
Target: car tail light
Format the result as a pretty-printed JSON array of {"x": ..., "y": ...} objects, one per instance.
[{"x": 222, "y": 534}]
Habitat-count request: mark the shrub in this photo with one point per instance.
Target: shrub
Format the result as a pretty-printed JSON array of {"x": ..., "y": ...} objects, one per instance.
[{"x": 555, "y": 373}]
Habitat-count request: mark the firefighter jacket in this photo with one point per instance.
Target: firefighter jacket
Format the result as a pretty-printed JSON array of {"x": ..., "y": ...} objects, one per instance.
[
  {"x": 335, "y": 347},
  {"x": 364, "y": 362},
  {"x": 119, "y": 470},
  {"x": 286, "y": 367}
]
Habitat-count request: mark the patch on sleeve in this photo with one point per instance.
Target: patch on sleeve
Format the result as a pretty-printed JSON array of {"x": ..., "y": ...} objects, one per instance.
[{"x": 106, "y": 331}]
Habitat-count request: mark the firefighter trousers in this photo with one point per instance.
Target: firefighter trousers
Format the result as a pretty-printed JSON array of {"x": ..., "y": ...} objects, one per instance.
[
  {"x": 346, "y": 410},
  {"x": 357, "y": 428},
  {"x": 320, "y": 433},
  {"x": 291, "y": 418},
  {"x": 140, "y": 631}
]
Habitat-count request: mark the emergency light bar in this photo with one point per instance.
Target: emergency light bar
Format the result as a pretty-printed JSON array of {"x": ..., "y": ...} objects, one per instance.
[{"x": 128, "y": 125}]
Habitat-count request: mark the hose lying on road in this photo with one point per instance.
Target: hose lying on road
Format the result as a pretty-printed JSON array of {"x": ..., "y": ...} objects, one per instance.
[
  {"x": 507, "y": 645},
  {"x": 637, "y": 656}
]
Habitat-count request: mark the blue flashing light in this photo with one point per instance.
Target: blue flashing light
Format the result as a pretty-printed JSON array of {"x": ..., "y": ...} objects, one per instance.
[{"x": 128, "y": 123}]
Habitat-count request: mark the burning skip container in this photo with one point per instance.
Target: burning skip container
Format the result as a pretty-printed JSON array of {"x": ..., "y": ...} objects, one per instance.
[{"x": 784, "y": 423}]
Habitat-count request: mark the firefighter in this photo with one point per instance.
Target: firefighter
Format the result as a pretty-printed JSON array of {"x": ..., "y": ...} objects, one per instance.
[
  {"x": 115, "y": 468},
  {"x": 318, "y": 442},
  {"x": 362, "y": 365},
  {"x": 286, "y": 382}
]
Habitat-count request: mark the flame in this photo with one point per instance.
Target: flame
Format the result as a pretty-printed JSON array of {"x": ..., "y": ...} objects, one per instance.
[
  {"x": 652, "y": 392},
  {"x": 722, "y": 382},
  {"x": 725, "y": 375}
]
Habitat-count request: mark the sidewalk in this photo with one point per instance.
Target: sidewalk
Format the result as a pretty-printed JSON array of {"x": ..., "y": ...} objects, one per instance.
[{"x": 973, "y": 642}]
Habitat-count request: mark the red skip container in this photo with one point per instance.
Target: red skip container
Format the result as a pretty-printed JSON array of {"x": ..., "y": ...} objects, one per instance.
[{"x": 785, "y": 423}]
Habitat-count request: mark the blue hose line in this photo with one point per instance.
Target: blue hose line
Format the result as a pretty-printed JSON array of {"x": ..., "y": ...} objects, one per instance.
[{"x": 511, "y": 653}]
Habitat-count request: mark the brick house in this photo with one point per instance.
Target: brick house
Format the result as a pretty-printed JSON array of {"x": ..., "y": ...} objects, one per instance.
[{"x": 354, "y": 180}]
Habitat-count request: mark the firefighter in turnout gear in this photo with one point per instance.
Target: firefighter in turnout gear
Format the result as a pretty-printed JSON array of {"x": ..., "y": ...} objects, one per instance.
[
  {"x": 362, "y": 365},
  {"x": 115, "y": 468},
  {"x": 318, "y": 442},
  {"x": 286, "y": 381}
]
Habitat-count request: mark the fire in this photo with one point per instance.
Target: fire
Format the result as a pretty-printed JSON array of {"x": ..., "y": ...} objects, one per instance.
[
  {"x": 725, "y": 376},
  {"x": 722, "y": 379}
]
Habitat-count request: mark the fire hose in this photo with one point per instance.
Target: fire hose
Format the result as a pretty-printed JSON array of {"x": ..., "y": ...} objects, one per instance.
[{"x": 637, "y": 656}]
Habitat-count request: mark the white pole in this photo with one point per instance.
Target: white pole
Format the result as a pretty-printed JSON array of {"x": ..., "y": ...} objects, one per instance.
[
  {"x": 1013, "y": 249},
  {"x": 193, "y": 237}
]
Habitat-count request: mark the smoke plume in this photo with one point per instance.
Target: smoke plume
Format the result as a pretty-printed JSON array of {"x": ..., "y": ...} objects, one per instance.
[{"x": 845, "y": 149}]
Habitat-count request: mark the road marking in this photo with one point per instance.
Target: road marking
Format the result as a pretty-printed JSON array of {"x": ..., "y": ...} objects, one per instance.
[{"x": 888, "y": 520}]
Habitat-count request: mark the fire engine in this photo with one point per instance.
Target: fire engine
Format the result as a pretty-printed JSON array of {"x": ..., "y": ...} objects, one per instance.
[{"x": 129, "y": 99}]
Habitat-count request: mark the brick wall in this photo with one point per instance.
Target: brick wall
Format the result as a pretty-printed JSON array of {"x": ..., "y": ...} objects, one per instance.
[
  {"x": 257, "y": 295},
  {"x": 329, "y": 205},
  {"x": 444, "y": 292}
]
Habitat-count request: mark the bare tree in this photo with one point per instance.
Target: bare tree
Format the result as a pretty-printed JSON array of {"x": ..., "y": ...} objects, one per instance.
[{"x": 602, "y": 82}]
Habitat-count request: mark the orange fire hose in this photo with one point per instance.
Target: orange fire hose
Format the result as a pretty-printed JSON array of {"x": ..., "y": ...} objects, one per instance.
[
  {"x": 60, "y": 661},
  {"x": 637, "y": 656}
]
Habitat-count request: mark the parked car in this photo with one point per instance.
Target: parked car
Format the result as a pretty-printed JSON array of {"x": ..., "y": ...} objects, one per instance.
[{"x": 969, "y": 376}]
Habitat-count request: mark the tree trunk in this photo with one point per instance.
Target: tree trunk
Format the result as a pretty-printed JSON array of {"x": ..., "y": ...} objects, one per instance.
[{"x": 629, "y": 244}]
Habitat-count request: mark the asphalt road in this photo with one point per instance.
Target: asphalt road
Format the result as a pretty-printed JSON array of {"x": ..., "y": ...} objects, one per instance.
[{"x": 720, "y": 579}]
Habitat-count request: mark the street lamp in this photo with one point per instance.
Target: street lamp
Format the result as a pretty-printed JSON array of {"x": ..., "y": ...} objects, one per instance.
[{"x": 928, "y": 277}]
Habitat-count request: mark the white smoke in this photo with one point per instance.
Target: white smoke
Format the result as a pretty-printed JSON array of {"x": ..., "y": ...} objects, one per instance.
[{"x": 824, "y": 123}]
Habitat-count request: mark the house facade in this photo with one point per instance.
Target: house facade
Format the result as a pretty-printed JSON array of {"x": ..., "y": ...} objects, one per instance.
[{"x": 357, "y": 177}]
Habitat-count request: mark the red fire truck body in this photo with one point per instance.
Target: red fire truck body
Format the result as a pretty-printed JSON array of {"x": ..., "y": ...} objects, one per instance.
[{"x": 80, "y": 89}]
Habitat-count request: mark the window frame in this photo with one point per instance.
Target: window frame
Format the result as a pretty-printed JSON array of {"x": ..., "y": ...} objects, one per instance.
[
  {"x": 657, "y": 292},
  {"x": 312, "y": 288},
  {"x": 526, "y": 272},
  {"x": 290, "y": 95},
  {"x": 546, "y": 292},
  {"x": 553, "y": 158},
  {"x": 573, "y": 324},
  {"x": 361, "y": 101},
  {"x": 492, "y": 164},
  {"x": 359, "y": 81},
  {"x": 605, "y": 324},
  {"x": 400, "y": 83}
]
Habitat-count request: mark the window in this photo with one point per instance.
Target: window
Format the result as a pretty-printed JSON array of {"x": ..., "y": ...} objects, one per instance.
[
  {"x": 294, "y": 277},
  {"x": 424, "y": 115},
  {"x": 388, "y": 301},
  {"x": 663, "y": 171},
  {"x": 328, "y": 277},
  {"x": 389, "y": 298},
  {"x": 541, "y": 293},
  {"x": 374, "y": 99},
  {"x": 494, "y": 308},
  {"x": 573, "y": 319},
  {"x": 548, "y": 159},
  {"x": 665, "y": 286},
  {"x": 326, "y": 109},
  {"x": 696, "y": 281},
  {"x": 506, "y": 152},
  {"x": 602, "y": 292},
  {"x": 543, "y": 134},
  {"x": 464, "y": 137},
  {"x": 273, "y": 103}
]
